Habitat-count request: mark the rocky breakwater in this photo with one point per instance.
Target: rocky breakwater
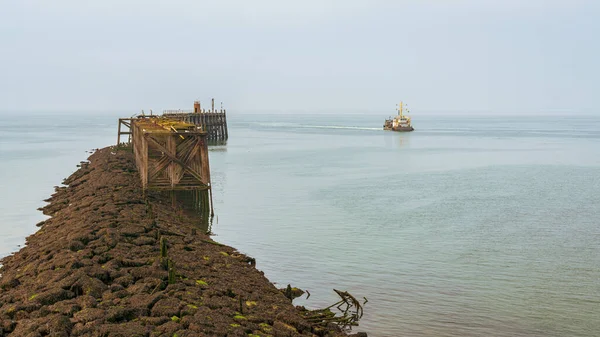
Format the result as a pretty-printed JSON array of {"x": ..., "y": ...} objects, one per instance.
[{"x": 111, "y": 262}]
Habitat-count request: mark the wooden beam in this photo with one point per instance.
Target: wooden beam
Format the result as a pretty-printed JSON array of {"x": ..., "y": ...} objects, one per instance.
[
  {"x": 119, "y": 133},
  {"x": 173, "y": 157}
]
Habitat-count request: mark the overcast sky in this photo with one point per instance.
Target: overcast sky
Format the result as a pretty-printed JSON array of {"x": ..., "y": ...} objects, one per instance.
[{"x": 482, "y": 56}]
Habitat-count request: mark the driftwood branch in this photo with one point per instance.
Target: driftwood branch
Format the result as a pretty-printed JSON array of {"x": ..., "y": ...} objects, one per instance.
[{"x": 350, "y": 308}]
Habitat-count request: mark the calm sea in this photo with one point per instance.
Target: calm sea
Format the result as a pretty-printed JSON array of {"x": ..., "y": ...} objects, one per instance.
[{"x": 469, "y": 226}]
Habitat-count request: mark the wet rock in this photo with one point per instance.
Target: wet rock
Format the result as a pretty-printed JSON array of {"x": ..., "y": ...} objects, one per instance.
[
  {"x": 166, "y": 307},
  {"x": 283, "y": 329},
  {"x": 9, "y": 283},
  {"x": 144, "y": 240},
  {"x": 120, "y": 314},
  {"x": 87, "y": 301},
  {"x": 168, "y": 329},
  {"x": 67, "y": 308},
  {"x": 132, "y": 231},
  {"x": 59, "y": 326},
  {"x": 156, "y": 321},
  {"x": 26, "y": 328},
  {"x": 75, "y": 245},
  {"x": 89, "y": 315},
  {"x": 125, "y": 280},
  {"x": 115, "y": 287},
  {"x": 146, "y": 301},
  {"x": 128, "y": 329},
  {"x": 52, "y": 296},
  {"x": 91, "y": 286}
]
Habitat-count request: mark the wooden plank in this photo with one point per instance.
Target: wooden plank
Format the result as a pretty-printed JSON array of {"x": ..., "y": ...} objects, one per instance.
[{"x": 204, "y": 163}]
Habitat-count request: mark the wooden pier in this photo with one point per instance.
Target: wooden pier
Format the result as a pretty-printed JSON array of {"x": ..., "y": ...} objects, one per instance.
[
  {"x": 214, "y": 122},
  {"x": 171, "y": 155}
]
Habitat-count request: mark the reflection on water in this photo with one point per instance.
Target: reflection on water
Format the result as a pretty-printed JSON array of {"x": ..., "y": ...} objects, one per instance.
[
  {"x": 403, "y": 139},
  {"x": 217, "y": 145},
  {"x": 197, "y": 205},
  {"x": 396, "y": 140}
]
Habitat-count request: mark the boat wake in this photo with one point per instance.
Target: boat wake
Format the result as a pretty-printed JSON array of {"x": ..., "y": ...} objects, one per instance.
[
  {"x": 308, "y": 126},
  {"x": 338, "y": 127}
]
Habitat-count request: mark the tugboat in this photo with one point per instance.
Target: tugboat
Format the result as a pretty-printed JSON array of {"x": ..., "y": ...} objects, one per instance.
[{"x": 400, "y": 123}]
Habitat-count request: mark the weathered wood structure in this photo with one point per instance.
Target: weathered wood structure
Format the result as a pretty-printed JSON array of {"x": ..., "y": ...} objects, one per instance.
[
  {"x": 171, "y": 155},
  {"x": 124, "y": 122},
  {"x": 214, "y": 122}
]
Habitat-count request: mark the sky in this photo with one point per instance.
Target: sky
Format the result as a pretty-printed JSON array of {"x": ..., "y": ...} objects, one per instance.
[{"x": 310, "y": 56}]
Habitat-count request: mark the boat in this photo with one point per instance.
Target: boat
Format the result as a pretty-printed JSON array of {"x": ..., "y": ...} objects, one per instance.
[{"x": 400, "y": 123}]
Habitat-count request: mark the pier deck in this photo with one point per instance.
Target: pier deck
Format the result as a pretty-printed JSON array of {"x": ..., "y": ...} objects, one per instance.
[{"x": 213, "y": 121}]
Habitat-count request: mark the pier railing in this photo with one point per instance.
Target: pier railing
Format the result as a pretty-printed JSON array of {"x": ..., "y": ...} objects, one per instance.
[{"x": 177, "y": 111}]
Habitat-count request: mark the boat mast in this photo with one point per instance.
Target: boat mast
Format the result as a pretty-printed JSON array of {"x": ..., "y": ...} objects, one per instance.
[{"x": 400, "y": 109}]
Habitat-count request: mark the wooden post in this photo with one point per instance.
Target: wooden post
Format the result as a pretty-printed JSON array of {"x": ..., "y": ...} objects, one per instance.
[
  {"x": 163, "y": 247},
  {"x": 144, "y": 160},
  {"x": 119, "y": 133},
  {"x": 225, "y": 123},
  {"x": 172, "y": 147},
  {"x": 222, "y": 126},
  {"x": 212, "y": 211}
]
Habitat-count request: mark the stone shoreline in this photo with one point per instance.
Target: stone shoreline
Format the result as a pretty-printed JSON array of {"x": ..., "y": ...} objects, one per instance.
[{"x": 95, "y": 269}]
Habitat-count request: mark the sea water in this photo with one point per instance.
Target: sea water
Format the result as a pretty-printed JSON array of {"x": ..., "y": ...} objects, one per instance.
[{"x": 468, "y": 226}]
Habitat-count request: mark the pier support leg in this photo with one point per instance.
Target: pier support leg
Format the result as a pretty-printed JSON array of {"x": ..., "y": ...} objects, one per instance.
[
  {"x": 212, "y": 211},
  {"x": 119, "y": 133}
]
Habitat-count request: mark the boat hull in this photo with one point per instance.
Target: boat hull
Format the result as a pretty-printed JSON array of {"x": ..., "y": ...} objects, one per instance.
[{"x": 400, "y": 128}]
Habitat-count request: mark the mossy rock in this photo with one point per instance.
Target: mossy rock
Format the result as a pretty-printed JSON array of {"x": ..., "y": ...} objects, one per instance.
[
  {"x": 88, "y": 315},
  {"x": 52, "y": 296},
  {"x": 166, "y": 307}
]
